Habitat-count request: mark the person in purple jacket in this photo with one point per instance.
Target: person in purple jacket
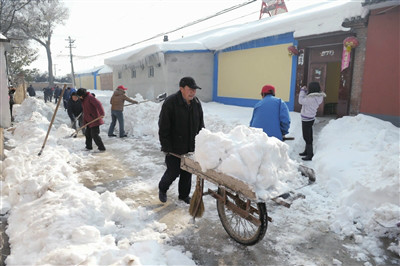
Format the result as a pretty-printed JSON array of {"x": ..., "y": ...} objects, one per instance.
[
  {"x": 93, "y": 112},
  {"x": 310, "y": 99}
]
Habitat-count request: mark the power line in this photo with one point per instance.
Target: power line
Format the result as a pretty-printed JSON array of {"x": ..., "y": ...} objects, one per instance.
[{"x": 177, "y": 29}]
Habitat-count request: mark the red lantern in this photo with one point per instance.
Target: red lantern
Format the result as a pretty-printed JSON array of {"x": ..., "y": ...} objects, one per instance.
[
  {"x": 350, "y": 42},
  {"x": 293, "y": 50}
]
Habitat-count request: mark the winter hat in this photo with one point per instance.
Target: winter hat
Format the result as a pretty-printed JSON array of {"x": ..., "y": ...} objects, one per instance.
[
  {"x": 188, "y": 81},
  {"x": 268, "y": 89},
  {"x": 313, "y": 87},
  {"x": 121, "y": 87},
  {"x": 81, "y": 92}
]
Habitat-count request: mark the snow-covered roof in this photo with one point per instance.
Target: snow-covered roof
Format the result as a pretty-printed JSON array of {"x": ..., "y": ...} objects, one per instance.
[
  {"x": 311, "y": 20},
  {"x": 89, "y": 71},
  {"x": 106, "y": 69},
  {"x": 2, "y": 37},
  {"x": 375, "y": 4}
]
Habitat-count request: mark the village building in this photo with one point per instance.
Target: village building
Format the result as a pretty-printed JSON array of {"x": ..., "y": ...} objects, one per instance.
[
  {"x": 98, "y": 78},
  {"x": 380, "y": 95},
  {"x": 231, "y": 64}
]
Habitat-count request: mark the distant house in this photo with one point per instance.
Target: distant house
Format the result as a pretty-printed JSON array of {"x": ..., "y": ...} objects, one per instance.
[
  {"x": 158, "y": 68},
  {"x": 98, "y": 78},
  {"x": 106, "y": 78}
]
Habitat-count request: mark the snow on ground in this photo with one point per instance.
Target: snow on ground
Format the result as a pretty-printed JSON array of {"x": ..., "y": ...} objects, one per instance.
[{"x": 54, "y": 219}]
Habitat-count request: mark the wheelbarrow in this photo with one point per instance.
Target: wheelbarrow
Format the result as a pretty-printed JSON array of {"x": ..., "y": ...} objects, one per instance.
[{"x": 243, "y": 216}]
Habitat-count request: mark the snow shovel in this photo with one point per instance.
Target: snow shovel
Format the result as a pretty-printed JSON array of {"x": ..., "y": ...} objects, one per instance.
[
  {"x": 52, "y": 119},
  {"x": 161, "y": 97},
  {"x": 85, "y": 125},
  {"x": 76, "y": 118},
  {"x": 137, "y": 103}
]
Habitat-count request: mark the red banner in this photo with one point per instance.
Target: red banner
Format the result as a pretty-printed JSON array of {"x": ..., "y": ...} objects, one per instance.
[{"x": 346, "y": 57}]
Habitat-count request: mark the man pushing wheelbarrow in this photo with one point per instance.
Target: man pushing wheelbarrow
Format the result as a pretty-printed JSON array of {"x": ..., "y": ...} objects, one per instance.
[{"x": 181, "y": 119}]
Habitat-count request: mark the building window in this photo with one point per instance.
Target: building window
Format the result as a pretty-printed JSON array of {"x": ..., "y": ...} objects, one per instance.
[
  {"x": 151, "y": 72},
  {"x": 133, "y": 73},
  {"x": 119, "y": 75}
]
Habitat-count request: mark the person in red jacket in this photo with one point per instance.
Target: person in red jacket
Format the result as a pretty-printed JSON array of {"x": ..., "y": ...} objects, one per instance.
[{"x": 93, "y": 113}]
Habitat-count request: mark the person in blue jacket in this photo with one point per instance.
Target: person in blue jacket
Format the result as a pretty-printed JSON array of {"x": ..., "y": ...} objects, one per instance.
[{"x": 271, "y": 114}]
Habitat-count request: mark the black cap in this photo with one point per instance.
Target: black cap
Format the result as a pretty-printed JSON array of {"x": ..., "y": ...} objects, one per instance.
[
  {"x": 81, "y": 92},
  {"x": 188, "y": 81}
]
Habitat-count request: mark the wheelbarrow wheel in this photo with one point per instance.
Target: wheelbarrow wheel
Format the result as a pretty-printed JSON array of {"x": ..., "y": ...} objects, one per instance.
[{"x": 246, "y": 225}]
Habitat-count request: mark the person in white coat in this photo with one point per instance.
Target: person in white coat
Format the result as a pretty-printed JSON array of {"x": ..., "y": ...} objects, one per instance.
[{"x": 310, "y": 99}]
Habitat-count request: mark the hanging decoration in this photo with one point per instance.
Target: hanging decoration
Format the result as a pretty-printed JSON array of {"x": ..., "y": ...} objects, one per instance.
[
  {"x": 293, "y": 50},
  {"x": 348, "y": 44}
]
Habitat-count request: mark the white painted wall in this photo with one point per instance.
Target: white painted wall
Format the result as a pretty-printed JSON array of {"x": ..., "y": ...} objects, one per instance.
[
  {"x": 5, "y": 116},
  {"x": 166, "y": 78}
]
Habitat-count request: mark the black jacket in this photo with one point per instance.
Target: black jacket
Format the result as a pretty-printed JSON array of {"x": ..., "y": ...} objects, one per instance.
[
  {"x": 179, "y": 123},
  {"x": 74, "y": 108},
  {"x": 31, "y": 91}
]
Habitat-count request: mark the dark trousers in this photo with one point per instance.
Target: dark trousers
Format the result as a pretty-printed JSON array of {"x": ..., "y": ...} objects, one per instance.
[
  {"x": 80, "y": 123},
  {"x": 173, "y": 171},
  {"x": 307, "y": 128},
  {"x": 92, "y": 133}
]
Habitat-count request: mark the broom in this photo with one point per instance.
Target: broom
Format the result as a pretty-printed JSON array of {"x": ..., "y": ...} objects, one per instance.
[{"x": 196, "y": 208}]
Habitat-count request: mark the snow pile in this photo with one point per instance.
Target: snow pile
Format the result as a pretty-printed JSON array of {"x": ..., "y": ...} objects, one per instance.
[
  {"x": 360, "y": 167},
  {"x": 249, "y": 155},
  {"x": 30, "y": 105},
  {"x": 56, "y": 220},
  {"x": 142, "y": 118}
]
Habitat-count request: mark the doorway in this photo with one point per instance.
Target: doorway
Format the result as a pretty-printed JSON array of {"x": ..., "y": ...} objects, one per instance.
[
  {"x": 322, "y": 63},
  {"x": 328, "y": 77}
]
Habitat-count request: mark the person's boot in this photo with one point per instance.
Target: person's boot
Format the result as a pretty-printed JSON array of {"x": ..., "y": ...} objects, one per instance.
[
  {"x": 309, "y": 151},
  {"x": 162, "y": 196},
  {"x": 304, "y": 153}
]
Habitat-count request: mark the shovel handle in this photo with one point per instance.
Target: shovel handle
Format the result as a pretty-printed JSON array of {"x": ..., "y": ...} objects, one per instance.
[
  {"x": 136, "y": 103},
  {"x": 85, "y": 125},
  {"x": 52, "y": 120}
]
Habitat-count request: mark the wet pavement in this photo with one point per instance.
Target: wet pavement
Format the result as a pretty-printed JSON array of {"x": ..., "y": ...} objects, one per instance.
[{"x": 4, "y": 246}]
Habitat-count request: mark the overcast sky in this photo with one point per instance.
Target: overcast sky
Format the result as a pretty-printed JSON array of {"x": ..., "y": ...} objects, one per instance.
[{"x": 99, "y": 26}]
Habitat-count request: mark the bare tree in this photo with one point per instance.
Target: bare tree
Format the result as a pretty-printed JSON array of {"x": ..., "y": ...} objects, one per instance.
[
  {"x": 20, "y": 56},
  {"x": 38, "y": 22},
  {"x": 8, "y": 11}
]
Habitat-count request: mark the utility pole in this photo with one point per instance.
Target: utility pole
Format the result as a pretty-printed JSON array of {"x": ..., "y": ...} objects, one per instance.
[{"x": 70, "y": 46}]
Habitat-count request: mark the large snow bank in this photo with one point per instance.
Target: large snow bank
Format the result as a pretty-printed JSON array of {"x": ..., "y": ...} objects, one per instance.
[
  {"x": 54, "y": 219},
  {"x": 357, "y": 161}
]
